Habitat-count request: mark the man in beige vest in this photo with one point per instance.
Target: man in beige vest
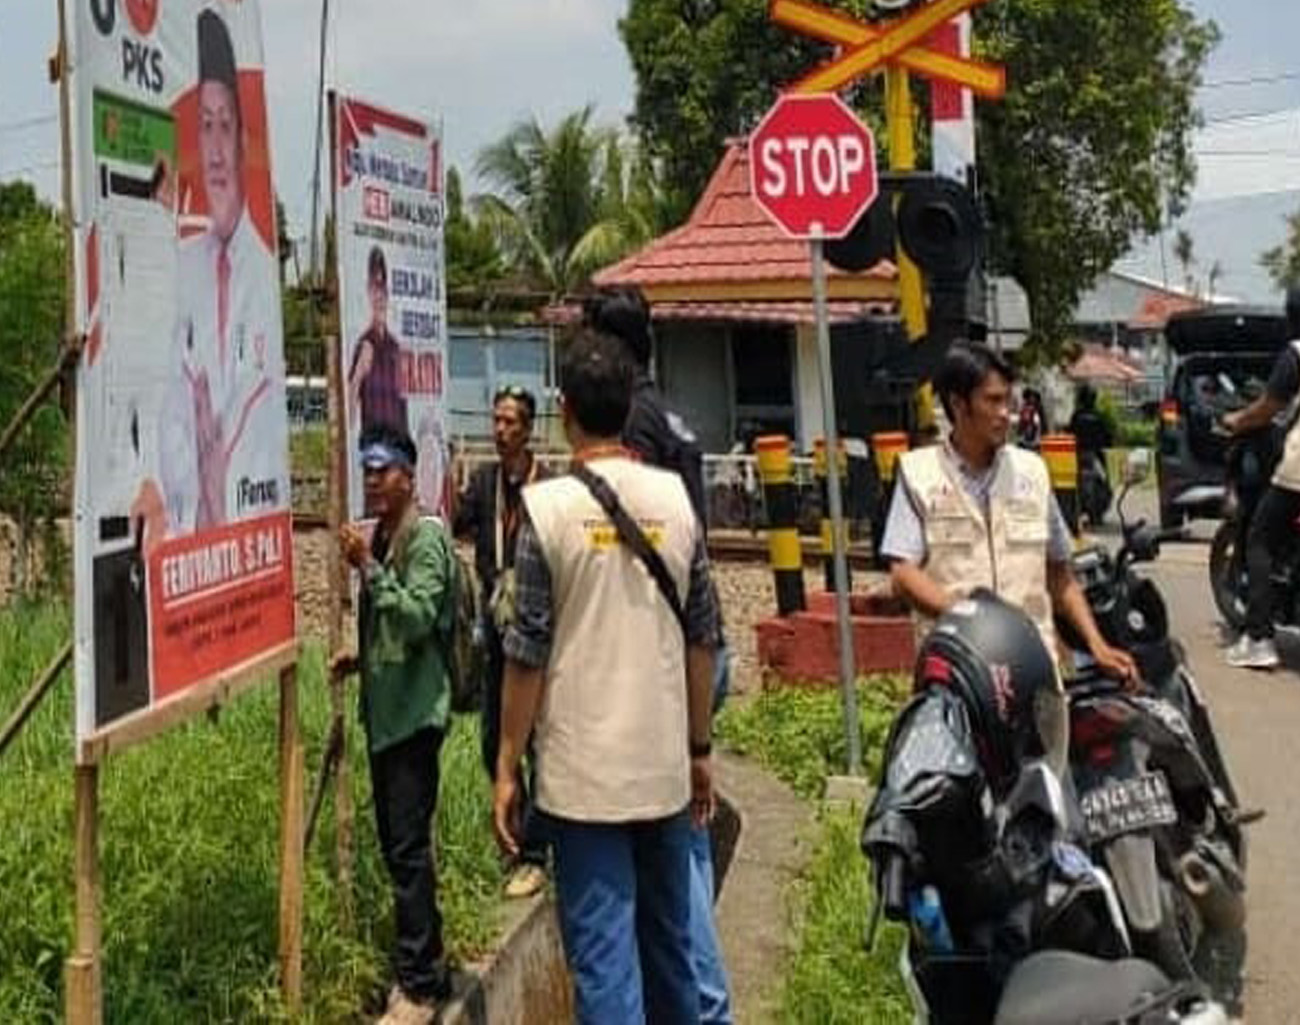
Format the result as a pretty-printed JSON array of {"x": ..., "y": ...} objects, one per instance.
[
  {"x": 616, "y": 689},
  {"x": 975, "y": 512},
  {"x": 1273, "y": 527}
]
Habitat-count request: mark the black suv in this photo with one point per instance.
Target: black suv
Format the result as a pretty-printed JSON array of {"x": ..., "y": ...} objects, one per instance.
[{"x": 1221, "y": 358}]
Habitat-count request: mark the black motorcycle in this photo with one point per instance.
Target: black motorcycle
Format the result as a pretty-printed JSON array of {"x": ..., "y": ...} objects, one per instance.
[
  {"x": 974, "y": 843},
  {"x": 1159, "y": 807},
  {"x": 1252, "y": 459}
]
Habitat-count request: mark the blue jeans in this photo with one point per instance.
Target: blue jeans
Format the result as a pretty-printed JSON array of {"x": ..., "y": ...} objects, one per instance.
[
  {"x": 623, "y": 894},
  {"x": 706, "y": 953}
]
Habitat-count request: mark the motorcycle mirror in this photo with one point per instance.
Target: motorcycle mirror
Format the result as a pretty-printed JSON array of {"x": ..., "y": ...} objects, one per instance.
[{"x": 1137, "y": 466}]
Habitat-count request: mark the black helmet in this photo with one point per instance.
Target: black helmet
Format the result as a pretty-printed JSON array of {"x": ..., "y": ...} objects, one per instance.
[{"x": 993, "y": 658}]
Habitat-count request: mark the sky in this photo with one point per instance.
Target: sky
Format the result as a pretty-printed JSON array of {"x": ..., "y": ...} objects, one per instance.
[{"x": 481, "y": 65}]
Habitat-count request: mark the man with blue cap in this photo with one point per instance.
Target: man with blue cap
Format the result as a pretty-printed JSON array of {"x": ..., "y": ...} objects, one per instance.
[{"x": 404, "y": 620}]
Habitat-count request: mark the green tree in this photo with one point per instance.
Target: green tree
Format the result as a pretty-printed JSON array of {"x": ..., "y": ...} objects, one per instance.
[
  {"x": 567, "y": 201},
  {"x": 474, "y": 261},
  {"x": 1283, "y": 261},
  {"x": 34, "y": 472},
  {"x": 1090, "y": 147}
]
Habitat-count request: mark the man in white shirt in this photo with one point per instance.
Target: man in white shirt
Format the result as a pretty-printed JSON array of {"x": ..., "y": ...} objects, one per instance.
[{"x": 223, "y": 429}]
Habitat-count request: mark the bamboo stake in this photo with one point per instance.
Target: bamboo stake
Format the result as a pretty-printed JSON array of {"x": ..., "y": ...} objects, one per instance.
[
  {"x": 35, "y": 696},
  {"x": 291, "y": 854}
]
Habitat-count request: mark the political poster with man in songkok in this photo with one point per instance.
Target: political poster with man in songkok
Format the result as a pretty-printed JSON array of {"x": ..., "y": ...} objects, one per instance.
[{"x": 183, "y": 539}]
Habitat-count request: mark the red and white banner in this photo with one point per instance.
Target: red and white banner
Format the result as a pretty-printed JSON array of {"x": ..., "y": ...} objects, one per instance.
[
  {"x": 182, "y": 450},
  {"x": 388, "y": 198},
  {"x": 953, "y": 106}
]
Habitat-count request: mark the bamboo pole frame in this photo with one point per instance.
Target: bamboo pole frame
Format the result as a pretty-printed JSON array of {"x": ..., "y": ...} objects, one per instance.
[{"x": 84, "y": 1003}]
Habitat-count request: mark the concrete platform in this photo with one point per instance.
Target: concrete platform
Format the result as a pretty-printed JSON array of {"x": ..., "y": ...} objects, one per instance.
[{"x": 802, "y": 648}]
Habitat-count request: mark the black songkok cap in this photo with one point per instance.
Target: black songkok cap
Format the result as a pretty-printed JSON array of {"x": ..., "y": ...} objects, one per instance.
[{"x": 217, "y": 53}]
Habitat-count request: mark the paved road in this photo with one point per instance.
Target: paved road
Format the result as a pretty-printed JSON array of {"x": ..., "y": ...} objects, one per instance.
[{"x": 1257, "y": 717}]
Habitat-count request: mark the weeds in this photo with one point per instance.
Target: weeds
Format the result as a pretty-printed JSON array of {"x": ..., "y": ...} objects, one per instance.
[
  {"x": 833, "y": 979},
  {"x": 188, "y": 858},
  {"x": 798, "y": 734}
]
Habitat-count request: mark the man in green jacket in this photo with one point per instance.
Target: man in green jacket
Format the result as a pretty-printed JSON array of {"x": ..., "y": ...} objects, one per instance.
[{"x": 407, "y": 578}]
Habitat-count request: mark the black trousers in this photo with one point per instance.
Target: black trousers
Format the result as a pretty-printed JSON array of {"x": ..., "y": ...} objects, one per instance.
[
  {"x": 1272, "y": 532},
  {"x": 532, "y": 850},
  {"x": 405, "y": 780}
]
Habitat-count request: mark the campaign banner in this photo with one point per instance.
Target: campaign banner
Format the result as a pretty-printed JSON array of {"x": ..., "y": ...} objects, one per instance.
[
  {"x": 388, "y": 201},
  {"x": 183, "y": 536}
]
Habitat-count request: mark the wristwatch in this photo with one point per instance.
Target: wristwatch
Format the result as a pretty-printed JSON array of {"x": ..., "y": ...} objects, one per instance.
[{"x": 701, "y": 750}]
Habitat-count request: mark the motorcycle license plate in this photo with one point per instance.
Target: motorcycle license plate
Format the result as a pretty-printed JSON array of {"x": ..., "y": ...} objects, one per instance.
[{"x": 1127, "y": 805}]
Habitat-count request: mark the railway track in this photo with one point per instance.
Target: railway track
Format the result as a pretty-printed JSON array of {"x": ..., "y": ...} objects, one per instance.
[{"x": 733, "y": 546}]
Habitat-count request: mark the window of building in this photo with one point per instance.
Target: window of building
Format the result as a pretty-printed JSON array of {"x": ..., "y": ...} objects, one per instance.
[{"x": 762, "y": 358}]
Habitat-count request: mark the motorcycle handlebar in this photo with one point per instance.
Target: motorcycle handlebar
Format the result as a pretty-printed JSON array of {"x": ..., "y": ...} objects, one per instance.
[
  {"x": 893, "y": 887},
  {"x": 1172, "y": 534}
]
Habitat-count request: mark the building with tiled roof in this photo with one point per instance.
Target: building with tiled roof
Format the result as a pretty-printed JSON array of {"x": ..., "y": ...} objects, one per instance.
[{"x": 731, "y": 298}]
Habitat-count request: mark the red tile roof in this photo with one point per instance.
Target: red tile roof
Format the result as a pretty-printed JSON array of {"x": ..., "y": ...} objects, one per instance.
[
  {"x": 727, "y": 239},
  {"x": 778, "y": 312},
  {"x": 1157, "y": 308},
  {"x": 1099, "y": 364}
]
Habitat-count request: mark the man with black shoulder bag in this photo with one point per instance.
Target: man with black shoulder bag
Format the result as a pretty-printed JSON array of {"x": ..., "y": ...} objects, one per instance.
[
  {"x": 489, "y": 510},
  {"x": 609, "y": 665}
]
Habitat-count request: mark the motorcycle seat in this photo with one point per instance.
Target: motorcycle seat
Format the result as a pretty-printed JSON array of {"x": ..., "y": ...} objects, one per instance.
[{"x": 1057, "y": 987}]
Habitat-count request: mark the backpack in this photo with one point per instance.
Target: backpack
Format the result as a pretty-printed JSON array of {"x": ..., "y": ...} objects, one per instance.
[{"x": 466, "y": 656}]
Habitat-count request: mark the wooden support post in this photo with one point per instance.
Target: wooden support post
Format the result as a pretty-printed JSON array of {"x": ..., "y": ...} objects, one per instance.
[
  {"x": 344, "y": 842},
  {"x": 34, "y": 696},
  {"x": 291, "y": 854},
  {"x": 84, "y": 992}
]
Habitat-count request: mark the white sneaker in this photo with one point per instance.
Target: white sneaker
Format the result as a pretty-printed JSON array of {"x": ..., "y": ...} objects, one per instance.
[
  {"x": 1252, "y": 654},
  {"x": 402, "y": 1010}
]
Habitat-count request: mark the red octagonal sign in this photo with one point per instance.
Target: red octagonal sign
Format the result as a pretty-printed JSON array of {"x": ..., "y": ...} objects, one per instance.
[{"x": 812, "y": 166}]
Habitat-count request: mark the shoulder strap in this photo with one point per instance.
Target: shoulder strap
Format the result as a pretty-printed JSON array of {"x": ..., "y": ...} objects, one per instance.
[{"x": 634, "y": 537}]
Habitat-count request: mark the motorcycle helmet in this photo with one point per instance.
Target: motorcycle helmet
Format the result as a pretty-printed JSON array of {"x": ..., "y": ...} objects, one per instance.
[{"x": 991, "y": 655}]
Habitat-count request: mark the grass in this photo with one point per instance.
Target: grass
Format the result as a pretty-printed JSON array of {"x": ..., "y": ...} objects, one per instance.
[
  {"x": 188, "y": 841},
  {"x": 798, "y": 735},
  {"x": 833, "y": 979}
]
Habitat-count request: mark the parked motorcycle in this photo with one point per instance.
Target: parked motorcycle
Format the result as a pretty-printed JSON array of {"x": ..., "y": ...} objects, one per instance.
[
  {"x": 1159, "y": 807},
  {"x": 1252, "y": 459},
  {"x": 973, "y": 840}
]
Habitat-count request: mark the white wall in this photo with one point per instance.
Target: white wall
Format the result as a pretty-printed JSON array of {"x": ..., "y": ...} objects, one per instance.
[{"x": 807, "y": 390}]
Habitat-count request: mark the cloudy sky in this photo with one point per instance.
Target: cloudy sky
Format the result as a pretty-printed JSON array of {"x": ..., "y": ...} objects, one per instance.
[{"x": 483, "y": 64}]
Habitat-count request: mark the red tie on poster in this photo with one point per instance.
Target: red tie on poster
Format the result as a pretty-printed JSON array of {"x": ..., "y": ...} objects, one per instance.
[{"x": 223, "y": 296}]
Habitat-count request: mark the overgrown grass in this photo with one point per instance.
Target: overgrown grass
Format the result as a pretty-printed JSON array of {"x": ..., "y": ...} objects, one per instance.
[
  {"x": 833, "y": 979},
  {"x": 799, "y": 736},
  {"x": 189, "y": 849},
  {"x": 799, "y": 733}
]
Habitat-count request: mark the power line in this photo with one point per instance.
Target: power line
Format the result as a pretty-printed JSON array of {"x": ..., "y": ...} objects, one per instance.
[
  {"x": 16, "y": 172},
  {"x": 29, "y": 122},
  {"x": 1272, "y": 154},
  {"x": 1229, "y": 83},
  {"x": 1259, "y": 115}
]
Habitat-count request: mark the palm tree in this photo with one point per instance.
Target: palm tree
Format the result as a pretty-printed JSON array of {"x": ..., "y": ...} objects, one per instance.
[{"x": 567, "y": 202}]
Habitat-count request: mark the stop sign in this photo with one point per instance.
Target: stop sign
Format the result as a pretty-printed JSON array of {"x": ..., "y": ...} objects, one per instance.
[{"x": 812, "y": 166}]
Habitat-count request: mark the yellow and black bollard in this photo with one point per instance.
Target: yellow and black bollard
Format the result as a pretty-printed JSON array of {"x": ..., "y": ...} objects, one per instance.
[
  {"x": 886, "y": 448},
  {"x": 781, "y": 500},
  {"x": 828, "y": 549},
  {"x": 1062, "y": 458}
]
